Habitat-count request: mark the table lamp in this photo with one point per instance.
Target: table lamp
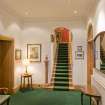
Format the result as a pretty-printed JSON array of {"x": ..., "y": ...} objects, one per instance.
[{"x": 26, "y": 63}]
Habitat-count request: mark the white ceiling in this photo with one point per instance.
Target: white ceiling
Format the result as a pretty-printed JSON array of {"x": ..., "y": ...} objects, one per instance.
[{"x": 50, "y": 9}]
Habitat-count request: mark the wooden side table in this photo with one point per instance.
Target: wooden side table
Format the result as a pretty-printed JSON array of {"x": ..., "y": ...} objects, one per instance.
[
  {"x": 23, "y": 80},
  {"x": 91, "y": 93}
]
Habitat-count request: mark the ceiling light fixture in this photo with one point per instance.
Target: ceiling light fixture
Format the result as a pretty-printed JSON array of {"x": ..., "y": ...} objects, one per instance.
[
  {"x": 75, "y": 12},
  {"x": 27, "y": 13}
]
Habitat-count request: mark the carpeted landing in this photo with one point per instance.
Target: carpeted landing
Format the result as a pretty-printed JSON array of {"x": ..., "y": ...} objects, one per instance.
[{"x": 47, "y": 97}]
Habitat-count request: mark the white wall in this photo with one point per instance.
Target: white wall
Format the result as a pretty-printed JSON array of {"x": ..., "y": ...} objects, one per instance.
[
  {"x": 10, "y": 26},
  {"x": 39, "y": 32},
  {"x": 99, "y": 25},
  {"x": 79, "y": 65}
]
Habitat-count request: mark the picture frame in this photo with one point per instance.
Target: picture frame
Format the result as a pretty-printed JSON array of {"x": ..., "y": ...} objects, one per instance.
[
  {"x": 79, "y": 54},
  {"x": 34, "y": 52},
  {"x": 79, "y": 48},
  {"x": 18, "y": 54}
]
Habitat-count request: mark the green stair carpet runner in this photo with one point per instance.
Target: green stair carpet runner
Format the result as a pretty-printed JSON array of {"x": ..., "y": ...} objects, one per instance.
[{"x": 61, "y": 79}]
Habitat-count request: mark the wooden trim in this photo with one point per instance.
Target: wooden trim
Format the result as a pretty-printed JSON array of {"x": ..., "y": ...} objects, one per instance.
[
  {"x": 40, "y": 85},
  {"x": 90, "y": 40},
  {"x": 46, "y": 69},
  {"x": 90, "y": 54},
  {"x": 100, "y": 33},
  {"x": 5, "y": 38},
  {"x": 15, "y": 89},
  {"x": 7, "y": 64}
]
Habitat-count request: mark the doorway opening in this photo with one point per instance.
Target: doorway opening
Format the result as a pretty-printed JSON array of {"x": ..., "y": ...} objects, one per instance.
[{"x": 63, "y": 35}]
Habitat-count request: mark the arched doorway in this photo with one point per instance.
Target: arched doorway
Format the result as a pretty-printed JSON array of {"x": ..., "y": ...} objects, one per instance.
[
  {"x": 90, "y": 56},
  {"x": 63, "y": 35}
]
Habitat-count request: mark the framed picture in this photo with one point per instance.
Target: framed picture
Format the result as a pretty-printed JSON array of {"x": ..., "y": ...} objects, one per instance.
[
  {"x": 79, "y": 48},
  {"x": 17, "y": 54},
  {"x": 79, "y": 54},
  {"x": 34, "y": 52}
]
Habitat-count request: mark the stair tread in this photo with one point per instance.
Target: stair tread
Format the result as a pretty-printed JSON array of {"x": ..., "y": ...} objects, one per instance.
[
  {"x": 62, "y": 70},
  {"x": 62, "y": 78},
  {"x": 62, "y": 87},
  {"x": 61, "y": 66},
  {"x": 62, "y": 73},
  {"x": 64, "y": 82}
]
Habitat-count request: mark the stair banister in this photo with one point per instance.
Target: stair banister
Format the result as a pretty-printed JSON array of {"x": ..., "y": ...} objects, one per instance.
[{"x": 54, "y": 53}]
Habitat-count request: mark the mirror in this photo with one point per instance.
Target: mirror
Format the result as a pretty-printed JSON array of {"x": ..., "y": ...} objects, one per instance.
[{"x": 99, "y": 43}]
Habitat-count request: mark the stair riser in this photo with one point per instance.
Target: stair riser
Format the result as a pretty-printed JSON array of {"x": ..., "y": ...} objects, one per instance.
[
  {"x": 62, "y": 52},
  {"x": 63, "y": 61},
  {"x": 58, "y": 84},
  {"x": 61, "y": 72},
  {"x": 61, "y": 64},
  {"x": 58, "y": 89},
  {"x": 56, "y": 79},
  {"x": 65, "y": 50},
  {"x": 62, "y": 46},
  {"x": 65, "y": 68},
  {"x": 57, "y": 75},
  {"x": 62, "y": 58},
  {"x": 62, "y": 75}
]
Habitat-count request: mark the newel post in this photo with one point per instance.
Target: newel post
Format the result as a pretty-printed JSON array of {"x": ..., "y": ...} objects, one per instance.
[{"x": 46, "y": 61}]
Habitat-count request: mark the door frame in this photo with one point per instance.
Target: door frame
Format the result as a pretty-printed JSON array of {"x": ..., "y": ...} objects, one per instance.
[
  {"x": 5, "y": 38},
  {"x": 90, "y": 54}
]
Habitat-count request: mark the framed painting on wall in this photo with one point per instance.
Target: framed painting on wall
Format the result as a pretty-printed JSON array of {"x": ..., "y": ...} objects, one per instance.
[
  {"x": 17, "y": 54},
  {"x": 79, "y": 48},
  {"x": 79, "y": 54},
  {"x": 34, "y": 52}
]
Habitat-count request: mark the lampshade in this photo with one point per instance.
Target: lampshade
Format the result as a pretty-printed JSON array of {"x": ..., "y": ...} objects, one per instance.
[{"x": 26, "y": 62}]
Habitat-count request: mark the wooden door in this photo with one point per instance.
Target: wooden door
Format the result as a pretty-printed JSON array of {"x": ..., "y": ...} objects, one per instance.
[{"x": 7, "y": 64}]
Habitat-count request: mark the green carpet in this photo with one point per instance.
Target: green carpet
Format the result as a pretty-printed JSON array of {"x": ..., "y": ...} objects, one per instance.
[
  {"x": 47, "y": 97},
  {"x": 61, "y": 79}
]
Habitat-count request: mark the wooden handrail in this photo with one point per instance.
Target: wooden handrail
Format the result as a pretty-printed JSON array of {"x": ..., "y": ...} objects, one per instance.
[{"x": 55, "y": 47}]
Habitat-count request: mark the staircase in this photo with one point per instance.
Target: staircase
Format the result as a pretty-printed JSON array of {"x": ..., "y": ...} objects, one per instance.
[{"x": 62, "y": 75}]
